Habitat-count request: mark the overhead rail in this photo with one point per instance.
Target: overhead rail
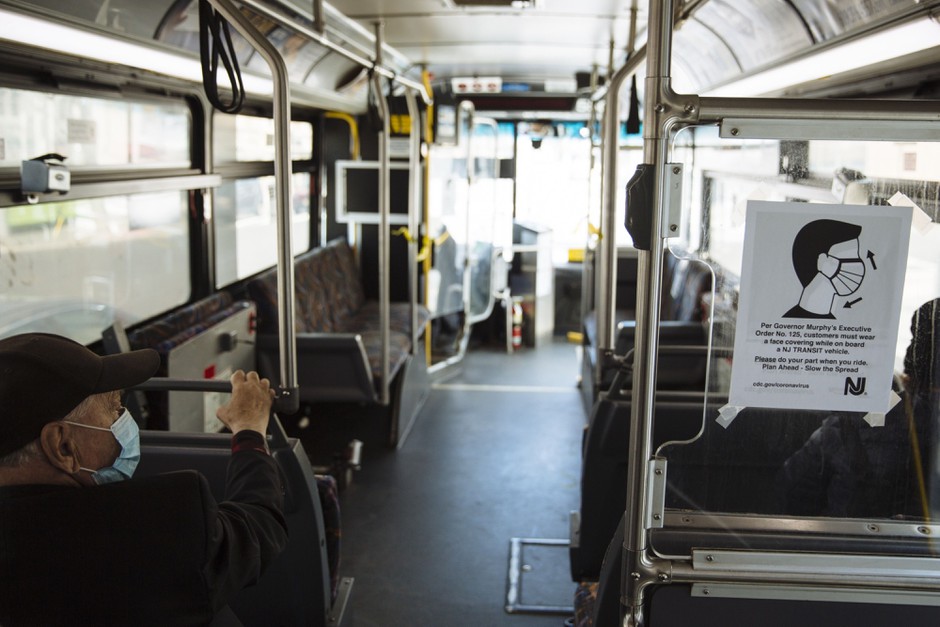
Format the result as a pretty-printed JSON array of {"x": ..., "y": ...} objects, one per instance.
[
  {"x": 666, "y": 112},
  {"x": 375, "y": 65},
  {"x": 337, "y": 17},
  {"x": 288, "y": 397},
  {"x": 683, "y": 12}
]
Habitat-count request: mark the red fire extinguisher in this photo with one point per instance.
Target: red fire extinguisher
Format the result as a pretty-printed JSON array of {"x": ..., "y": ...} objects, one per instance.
[{"x": 516, "y": 325}]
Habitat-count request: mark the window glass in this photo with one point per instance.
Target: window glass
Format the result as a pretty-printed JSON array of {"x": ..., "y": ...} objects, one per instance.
[
  {"x": 832, "y": 460},
  {"x": 239, "y": 138},
  {"x": 448, "y": 207},
  {"x": 92, "y": 132},
  {"x": 73, "y": 268},
  {"x": 553, "y": 174},
  {"x": 246, "y": 225}
]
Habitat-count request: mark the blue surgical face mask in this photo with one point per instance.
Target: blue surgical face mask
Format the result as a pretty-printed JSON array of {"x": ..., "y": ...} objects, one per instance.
[{"x": 128, "y": 436}]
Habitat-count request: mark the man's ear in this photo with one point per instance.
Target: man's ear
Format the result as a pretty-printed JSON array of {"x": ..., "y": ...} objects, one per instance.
[{"x": 59, "y": 447}]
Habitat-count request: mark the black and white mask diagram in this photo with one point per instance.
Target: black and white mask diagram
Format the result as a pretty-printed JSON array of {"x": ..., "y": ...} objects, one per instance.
[
  {"x": 828, "y": 261},
  {"x": 819, "y": 305}
]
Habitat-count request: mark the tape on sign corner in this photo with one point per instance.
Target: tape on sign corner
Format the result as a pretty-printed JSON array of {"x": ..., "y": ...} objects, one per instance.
[
  {"x": 921, "y": 220},
  {"x": 874, "y": 419},
  {"x": 893, "y": 399},
  {"x": 727, "y": 414}
]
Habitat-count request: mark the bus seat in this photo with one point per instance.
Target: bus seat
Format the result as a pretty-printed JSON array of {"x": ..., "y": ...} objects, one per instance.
[
  {"x": 598, "y": 602},
  {"x": 298, "y": 587},
  {"x": 338, "y": 336},
  {"x": 674, "y": 372},
  {"x": 734, "y": 469},
  {"x": 604, "y": 470},
  {"x": 188, "y": 350},
  {"x": 685, "y": 283}
]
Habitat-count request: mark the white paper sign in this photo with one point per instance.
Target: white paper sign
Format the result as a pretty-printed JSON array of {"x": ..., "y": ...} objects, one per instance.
[{"x": 819, "y": 306}]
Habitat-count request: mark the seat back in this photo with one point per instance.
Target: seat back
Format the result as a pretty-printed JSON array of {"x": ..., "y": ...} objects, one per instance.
[
  {"x": 604, "y": 469},
  {"x": 208, "y": 339},
  {"x": 295, "y": 590}
]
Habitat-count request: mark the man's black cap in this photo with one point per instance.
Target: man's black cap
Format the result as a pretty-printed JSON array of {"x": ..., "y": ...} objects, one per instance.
[{"x": 43, "y": 377}]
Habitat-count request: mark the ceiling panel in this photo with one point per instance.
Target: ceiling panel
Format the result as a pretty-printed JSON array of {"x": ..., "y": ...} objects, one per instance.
[
  {"x": 834, "y": 17},
  {"x": 758, "y": 31},
  {"x": 554, "y": 40}
]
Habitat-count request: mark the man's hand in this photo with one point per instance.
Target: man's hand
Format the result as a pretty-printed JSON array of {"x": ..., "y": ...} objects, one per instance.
[{"x": 250, "y": 405}]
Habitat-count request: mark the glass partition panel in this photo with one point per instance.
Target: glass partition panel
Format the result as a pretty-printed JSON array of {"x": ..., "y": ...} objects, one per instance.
[
  {"x": 483, "y": 215},
  {"x": 448, "y": 216},
  {"x": 823, "y": 393},
  {"x": 246, "y": 225},
  {"x": 73, "y": 268}
]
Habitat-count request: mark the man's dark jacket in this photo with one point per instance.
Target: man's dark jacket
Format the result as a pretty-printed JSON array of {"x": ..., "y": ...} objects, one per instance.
[{"x": 152, "y": 551}]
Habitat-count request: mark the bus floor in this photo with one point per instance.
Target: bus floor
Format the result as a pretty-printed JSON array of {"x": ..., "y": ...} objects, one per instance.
[{"x": 494, "y": 454}]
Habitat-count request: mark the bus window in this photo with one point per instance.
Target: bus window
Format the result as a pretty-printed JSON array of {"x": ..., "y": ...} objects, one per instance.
[
  {"x": 243, "y": 138},
  {"x": 553, "y": 183},
  {"x": 246, "y": 225},
  {"x": 75, "y": 267},
  {"x": 244, "y": 205},
  {"x": 828, "y": 461},
  {"x": 92, "y": 132}
]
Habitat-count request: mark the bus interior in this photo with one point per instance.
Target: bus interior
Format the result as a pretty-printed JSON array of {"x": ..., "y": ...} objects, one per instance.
[{"x": 584, "y": 313}]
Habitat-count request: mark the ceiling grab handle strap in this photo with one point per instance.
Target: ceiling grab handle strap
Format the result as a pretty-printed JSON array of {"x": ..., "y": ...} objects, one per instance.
[{"x": 215, "y": 43}]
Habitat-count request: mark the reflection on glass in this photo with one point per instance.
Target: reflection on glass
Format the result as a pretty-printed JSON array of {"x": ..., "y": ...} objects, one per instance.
[
  {"x": 240, "y": 138},
  {"x": 832, "y": 463},
  {"x": 92, "y": 131},
  {"x": 73, "y": 268},
  {"x": 245, "y": 218}
]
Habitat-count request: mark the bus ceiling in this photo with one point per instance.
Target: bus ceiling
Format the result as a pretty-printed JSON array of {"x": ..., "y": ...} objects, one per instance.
[{"x": 534, "y": 48}]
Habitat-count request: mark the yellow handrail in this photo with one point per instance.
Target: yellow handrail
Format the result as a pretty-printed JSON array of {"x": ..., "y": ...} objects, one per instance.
[{"x": 353, "y": 130}]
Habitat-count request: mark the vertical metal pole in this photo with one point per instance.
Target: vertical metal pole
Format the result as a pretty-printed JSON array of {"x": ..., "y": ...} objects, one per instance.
[
  {"x": 414, "y": 196},
  {"x": 467, "y": 108},
  {"x": 610, "y": 58},
  {"x": 425, "y": 213},
  {"x": 606, "y": 256},
  {"x": 631, "y": 40},
  {"x": 319, "y": 20},
  {"x": 649, "y": 288},
  {"x": 587, "y": 262},
  {"x": 383, "y": 213},
  {"x": 289, "y": 399}
]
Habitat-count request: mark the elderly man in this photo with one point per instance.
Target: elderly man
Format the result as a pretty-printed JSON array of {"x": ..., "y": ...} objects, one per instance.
[{"x": 80, "y": 545}]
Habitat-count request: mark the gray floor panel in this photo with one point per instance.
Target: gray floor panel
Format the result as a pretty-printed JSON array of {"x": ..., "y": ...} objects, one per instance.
[{"x": 426, "y": 530}]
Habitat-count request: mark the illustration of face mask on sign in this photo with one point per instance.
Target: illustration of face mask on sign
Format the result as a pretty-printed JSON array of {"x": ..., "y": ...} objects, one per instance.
[
  {"x": 827, "y": 262},
  {"x": 844, "y": 267}
]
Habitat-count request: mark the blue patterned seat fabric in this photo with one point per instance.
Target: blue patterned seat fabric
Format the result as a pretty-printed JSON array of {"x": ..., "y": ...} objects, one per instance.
[
  {"x": 329, "y": 299},
  {"x": 168, "y": 332}
]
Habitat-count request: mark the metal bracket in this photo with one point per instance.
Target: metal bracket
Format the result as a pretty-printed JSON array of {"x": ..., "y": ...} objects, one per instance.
[
  {"x": 817, "y": 593},
  {"x": 656, "y": 493},
  {"x": 672, "y": 200},
  {"x": 846, "y": 128}
]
